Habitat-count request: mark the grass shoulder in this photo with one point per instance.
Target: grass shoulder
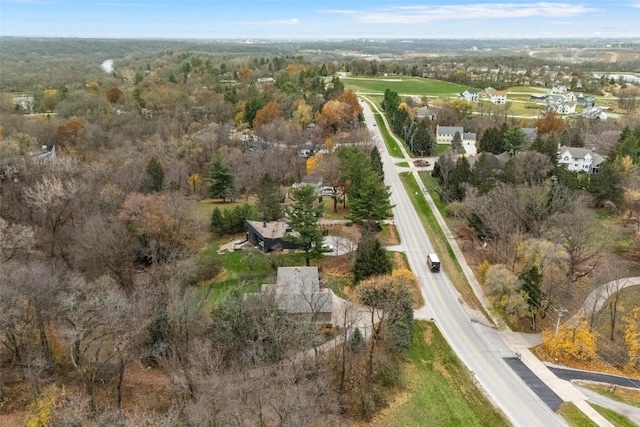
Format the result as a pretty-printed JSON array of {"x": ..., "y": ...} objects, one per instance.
[
  {"x": 614, "y": 417},
  {"x": 440, "y": 388},
  {"x": 574, "y": 416}
]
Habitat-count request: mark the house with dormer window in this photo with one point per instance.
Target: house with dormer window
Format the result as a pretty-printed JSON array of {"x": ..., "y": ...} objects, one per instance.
[{"x": 578, "y": 159}]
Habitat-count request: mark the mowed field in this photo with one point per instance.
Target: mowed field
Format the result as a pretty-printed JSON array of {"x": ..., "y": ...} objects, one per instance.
[{"x": 403, "y": 85}]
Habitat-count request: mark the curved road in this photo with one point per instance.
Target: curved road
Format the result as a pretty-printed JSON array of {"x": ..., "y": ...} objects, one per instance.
[{"x": 481, "y": 349}]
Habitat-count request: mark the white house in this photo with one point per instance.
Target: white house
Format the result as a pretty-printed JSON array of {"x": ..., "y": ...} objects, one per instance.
[
  {"x": 499, "y": 97},
  {"x": 469, "y": 95},
  {"x": 578, "y": 159}
]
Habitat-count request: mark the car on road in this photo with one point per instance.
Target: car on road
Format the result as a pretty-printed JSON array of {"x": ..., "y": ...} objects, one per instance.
[{"x": 433, "y": 262}]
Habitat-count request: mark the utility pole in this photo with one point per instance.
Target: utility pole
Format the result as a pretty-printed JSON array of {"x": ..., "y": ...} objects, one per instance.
[{"x": 560, "y": 311}]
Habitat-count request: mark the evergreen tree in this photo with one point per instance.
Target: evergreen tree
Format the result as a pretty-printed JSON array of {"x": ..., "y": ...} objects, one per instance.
[
  {"x": 303, "y": 218},
  {"x": 371, "y": 259},
  {"x": 376, "y": 162},
  {"x": 456, "y": 142},
  {"x": 460, "y": 175},
  {"x": 155, "y": 176},
  {"x": 268, "y": 205},
  {"x": 482, "y": 176},
  {"x": 548, "y": 146},
  {"x": 220, "y": 179},
  {"x": 391, "y": 101},
  {"x": 422, "y": 142},
  {"x": 370, "y": 200},
  {"x": 514, "y": 140},
  {"x": 217, "y": 224},
  {"x": 491, "y": 141},
  {"x": 607, "y": 184}
]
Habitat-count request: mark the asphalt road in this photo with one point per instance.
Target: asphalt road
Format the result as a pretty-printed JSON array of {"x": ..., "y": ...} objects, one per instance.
[{"x": 481, "y": 353}]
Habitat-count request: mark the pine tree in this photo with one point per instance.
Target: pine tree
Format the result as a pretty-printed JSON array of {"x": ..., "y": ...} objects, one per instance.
[
  {"x": 370, "y": 200},
  {"x": 371, "y": 259},
  {"x": 303, "y": 218},
  {"x": 376, "y": 162},
  {"x": 268, "y": 205},
  {"x": 456, "y": 142},
  {"x": 221, "y": 180},
  {"x": 531, "y": 280},
  {"x": 155, "y": 176}
]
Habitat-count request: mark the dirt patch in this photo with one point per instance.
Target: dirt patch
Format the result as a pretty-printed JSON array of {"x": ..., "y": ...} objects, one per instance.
[{"x": 389, "y": 236}]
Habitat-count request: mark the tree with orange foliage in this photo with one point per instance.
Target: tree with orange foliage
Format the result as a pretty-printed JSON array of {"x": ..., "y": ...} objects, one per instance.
[
  {"x": 550, "y": 122},
  {"x": 244, "y": 73},
  {"x": 113, "y": 94},
  {"x": 267, "y": 114},
  {"x": 350, "y": 98},
  {"x": 332, "y": 115},
  {"x": 161, "y": 224},
  {"x": 69, "y": 134}
]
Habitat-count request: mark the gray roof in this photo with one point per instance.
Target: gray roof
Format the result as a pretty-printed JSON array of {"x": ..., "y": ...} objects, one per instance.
[
  {"x": 271, "y": 229},
  {"x": 297, "y": 291},
  {"x": 449, "y": 130},
  {"x": 581, "y": 153}
]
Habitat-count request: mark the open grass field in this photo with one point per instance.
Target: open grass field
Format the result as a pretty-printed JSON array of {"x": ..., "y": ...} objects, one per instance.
[
  {"x": 403, "y": 85},
  {"x": 441, "y": 390}
]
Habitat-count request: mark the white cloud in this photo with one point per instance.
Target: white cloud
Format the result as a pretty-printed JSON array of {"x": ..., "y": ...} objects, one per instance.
[
  {"x": 637, "y": 5},
  {"x": 479, "y": 11}
]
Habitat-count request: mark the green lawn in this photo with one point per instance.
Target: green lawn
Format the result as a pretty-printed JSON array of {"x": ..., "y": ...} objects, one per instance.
[
  {"x": 245, "y": 270},
  {"x": 613, "y": 417},
  {"x": 574, "y": 416},
  {"x": 403, "y": 164},
  {"x": 443, "y": 392},
  {"x": 392, "y": 145},
  {"x": 403, "y": 85}
]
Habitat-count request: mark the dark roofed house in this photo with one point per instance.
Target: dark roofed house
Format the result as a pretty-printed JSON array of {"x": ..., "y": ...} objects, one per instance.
[
  {"x": 266, "y": 235},
  {"x": 297, "y": 292},
  {"x": 496, "y": 162}
]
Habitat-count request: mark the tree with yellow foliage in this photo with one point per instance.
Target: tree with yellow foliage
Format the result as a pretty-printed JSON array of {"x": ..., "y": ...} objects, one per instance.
[
  {"x": 571, "y": 343},
  {"x": 312, "y": 163},
  {"x": 632, "y": 337}
]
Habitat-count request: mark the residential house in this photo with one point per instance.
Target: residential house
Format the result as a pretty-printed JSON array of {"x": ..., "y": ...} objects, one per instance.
[
  {"x": 269, "y": 235},
  {"x": 46, "y": 154},
  {"x": 586, "y": 101},
  {"x": 559, "y": 89},
  {"x": 314, "y": 181},
  {"x": 498, "y": 97},
  {"x": 497, "y": 162},
  {"x": 423, "y": 112},
  {"x": 469, "y": 95},
  {"x": 578, "y": 159},
  {"x": 297, "y": 292},
  {"x": 24, "y": 102},
  {"x": 444, "y": 134}
]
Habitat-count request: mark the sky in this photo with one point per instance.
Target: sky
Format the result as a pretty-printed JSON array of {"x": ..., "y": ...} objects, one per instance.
[{"x": 324, "y": 19}]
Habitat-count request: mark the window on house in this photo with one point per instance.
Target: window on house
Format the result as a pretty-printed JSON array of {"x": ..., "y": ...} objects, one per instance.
[
  {"x": 566, "y": 158},
  {"x": 576, "y": 165}
]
